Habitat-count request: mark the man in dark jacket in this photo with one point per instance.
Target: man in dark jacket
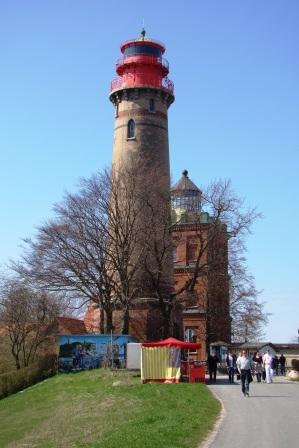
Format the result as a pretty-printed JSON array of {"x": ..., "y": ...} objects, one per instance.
[
  {"x": 231, "y": 363},
  {"x": 282, "y": 362},
  {"x": 212, "y": 363}
]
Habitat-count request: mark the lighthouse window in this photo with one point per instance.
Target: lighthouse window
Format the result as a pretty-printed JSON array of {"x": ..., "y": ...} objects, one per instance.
[
  {"x": 131, "y": 129},
  {"x": 142, "y": 49},
  {"x": 152, "y": 105}
]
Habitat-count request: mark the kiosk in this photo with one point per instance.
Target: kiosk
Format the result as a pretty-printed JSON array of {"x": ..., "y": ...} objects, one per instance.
[{"x": 162, "y": 361}]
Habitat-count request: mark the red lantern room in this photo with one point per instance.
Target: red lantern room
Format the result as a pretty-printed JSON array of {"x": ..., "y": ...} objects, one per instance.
[{"x": 142, "y": 65}]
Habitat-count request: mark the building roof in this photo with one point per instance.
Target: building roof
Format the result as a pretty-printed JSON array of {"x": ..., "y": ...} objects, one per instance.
[
  {"x": 172, "y": 342},
  {"x": 217, "y": 343},
  {"x": 194, "y": 310},
  {"x": 184, "y": 185},
  {"x": 259, "y": 345},
  {"x": 70, "y": 325}
]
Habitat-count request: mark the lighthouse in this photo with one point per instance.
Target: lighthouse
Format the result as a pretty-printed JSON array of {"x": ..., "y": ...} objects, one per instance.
[{"x": 141, "y": 95}]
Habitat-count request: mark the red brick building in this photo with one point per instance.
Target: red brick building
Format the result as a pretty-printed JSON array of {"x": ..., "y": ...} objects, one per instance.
[{"x": 199, "y": 247}]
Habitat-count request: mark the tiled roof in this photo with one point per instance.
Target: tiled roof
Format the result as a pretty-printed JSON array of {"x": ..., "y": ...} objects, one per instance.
[
  {"x": 70, "y": 325},
  {"x": 184, "y": 184},
  {"x": 260, "y": 345},
  {"x": 194, "y": 310},
  {"x": 64, "y": 325},
  {"x": 219, "y": 343}
]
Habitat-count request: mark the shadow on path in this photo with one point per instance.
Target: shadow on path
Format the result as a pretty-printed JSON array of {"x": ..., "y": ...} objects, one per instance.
[
  {"x": 221, "y": 382},
  {"x": 269, "y": 396},
  {"x": 271, "y": 417}
]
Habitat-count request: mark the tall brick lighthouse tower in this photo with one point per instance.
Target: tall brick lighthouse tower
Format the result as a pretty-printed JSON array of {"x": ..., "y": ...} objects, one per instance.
[{"x": 141, "y": 95}]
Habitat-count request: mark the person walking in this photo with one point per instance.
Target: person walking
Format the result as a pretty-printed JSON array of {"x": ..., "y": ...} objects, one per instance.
[
  {"x": 244, "y": 366},
  {"x": 231, "y": 366},
  {"x": 212, "y": 363},
  {"x": 282, "y": 363},
  {"x": 258, "y": 366},
  {"x": 274, "y": 365},
  {"x": 267, "y": 362}
]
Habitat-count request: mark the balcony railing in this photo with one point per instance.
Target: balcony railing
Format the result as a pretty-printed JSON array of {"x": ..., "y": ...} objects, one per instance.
[
  {"x": 146, "y": 39},
  {"x": 116, "y": 84},
  {"x": 168, "y": 84},
  {"x": 121, "y": 83},
  {"x": 142, "y": 59}
]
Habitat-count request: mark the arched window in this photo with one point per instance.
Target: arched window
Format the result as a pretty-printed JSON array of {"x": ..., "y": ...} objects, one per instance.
[
  {"x": 131, "y": 129},
  {"x": 152, "y": 105},
  {"x": 192, "y": 251}
]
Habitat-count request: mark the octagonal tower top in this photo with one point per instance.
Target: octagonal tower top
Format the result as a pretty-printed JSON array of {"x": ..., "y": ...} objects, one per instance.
[{"x": 142, "y": 65}]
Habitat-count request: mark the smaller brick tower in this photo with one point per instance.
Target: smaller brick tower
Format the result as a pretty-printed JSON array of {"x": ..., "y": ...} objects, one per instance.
[{"x": 205, "y": 311}]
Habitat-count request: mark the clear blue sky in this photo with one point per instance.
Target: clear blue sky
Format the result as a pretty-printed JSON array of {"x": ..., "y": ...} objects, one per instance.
[{"x": 236, "y": 73}]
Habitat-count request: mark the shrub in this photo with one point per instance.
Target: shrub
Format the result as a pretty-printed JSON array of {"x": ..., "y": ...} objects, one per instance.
[
  {"x": 17, "y": 380},
  {"x": 295, "y": 364}
]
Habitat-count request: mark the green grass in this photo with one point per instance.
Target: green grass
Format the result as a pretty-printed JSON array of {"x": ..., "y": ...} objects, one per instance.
[{"x": 85, "y": 410}]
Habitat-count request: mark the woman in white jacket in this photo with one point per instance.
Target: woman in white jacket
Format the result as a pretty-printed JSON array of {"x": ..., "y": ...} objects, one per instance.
[{"x": 267, "y": 362}]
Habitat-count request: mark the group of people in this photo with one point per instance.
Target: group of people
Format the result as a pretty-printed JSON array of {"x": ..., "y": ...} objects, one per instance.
[{"x": 262, "y": 366}]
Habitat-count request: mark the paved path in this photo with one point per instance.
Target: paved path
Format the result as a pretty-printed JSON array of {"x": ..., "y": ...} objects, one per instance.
[{"x": 269, "y": 418}]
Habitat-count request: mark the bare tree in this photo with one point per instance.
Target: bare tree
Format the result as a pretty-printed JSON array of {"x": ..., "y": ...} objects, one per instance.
[
  {"x": 228, "y": 219},
  {"x": 158, "y": 262},
  {"x": 125, "y": 248},
  {"x": 112, "y": 242},
  {"x": 91, "y": 249},
  {"x": 247, "y": 312},
  {"x": 28, "y": 317},
  {"x": 69, "y": 253}
]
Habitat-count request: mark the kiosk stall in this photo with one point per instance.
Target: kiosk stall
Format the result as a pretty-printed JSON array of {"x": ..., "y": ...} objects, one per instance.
[{"x": 162, "y": 361}]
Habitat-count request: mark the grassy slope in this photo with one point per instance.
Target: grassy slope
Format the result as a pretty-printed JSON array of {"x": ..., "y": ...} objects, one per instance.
[{"x": 85, "y": 410}]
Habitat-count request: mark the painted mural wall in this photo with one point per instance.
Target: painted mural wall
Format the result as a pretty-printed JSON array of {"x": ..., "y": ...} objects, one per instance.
[{"x": 84, "y": 352}]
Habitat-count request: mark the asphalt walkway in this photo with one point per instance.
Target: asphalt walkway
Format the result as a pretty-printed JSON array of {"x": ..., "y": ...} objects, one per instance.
[{"x": 269, "y": 418}]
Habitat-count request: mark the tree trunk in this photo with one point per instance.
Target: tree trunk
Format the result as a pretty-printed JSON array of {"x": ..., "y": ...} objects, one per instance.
[
  {"x": 166, "y": 320},
  {"x": 16, "y": 357},
  {"x": 125, "y": 320},
  {"x": 102, "y": 320},
  {"x": 109, "y": 320}
]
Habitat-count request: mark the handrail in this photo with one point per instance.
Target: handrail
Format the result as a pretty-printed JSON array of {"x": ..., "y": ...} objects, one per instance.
[
  {"x": 168, "y": 84},
  {"x": 146, "y": 59},
  {"x": 119, "y": 83}
]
